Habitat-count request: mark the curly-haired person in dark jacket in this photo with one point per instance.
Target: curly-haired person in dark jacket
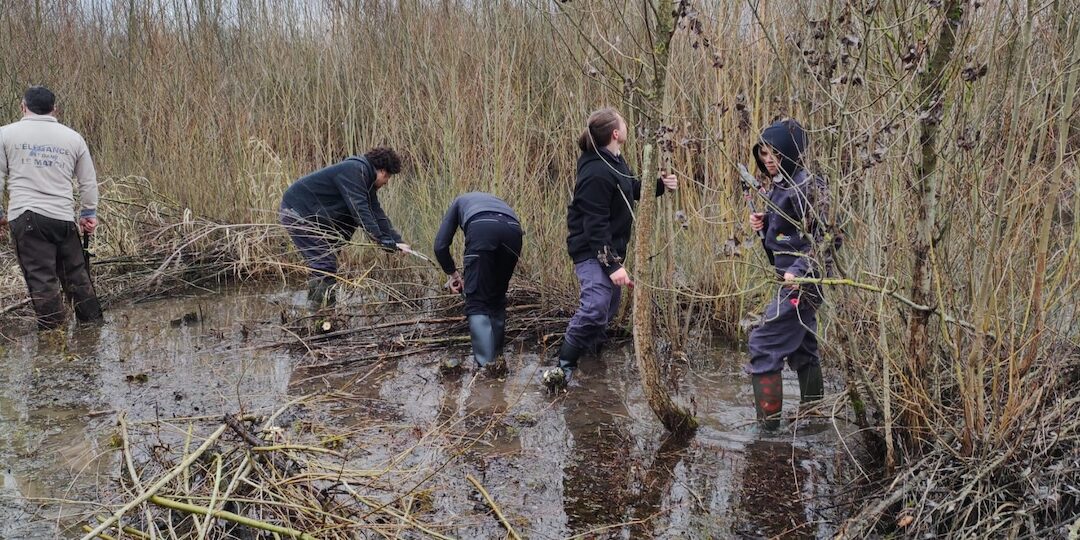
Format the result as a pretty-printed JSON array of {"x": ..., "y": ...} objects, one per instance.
[{"x": 322, "y": 210}]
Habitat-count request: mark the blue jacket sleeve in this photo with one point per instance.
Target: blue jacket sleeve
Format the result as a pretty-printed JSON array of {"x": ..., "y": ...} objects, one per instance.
[
  {"x": 384, "y": 222},
  {"x": 814, "y": 205},
  {"x": 445, "y": 238}
]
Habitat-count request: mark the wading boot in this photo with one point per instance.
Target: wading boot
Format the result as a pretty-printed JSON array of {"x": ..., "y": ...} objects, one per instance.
[
  {"x": 498, "y": 326},
  {"x": 497, "y": 368},
  {"x": 811, "y": 384},
  {"x": 483, "y": 339},
  {"x": 322, "y": 292},
  {"x": 768, "y": 398},
  {"x": 89, "y": 311},
  {"x": 557, "y": 378}
]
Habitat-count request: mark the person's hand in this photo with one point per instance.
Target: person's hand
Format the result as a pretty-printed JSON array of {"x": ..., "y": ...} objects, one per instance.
[
  {"x": 789, "y": 279},
  {"x": 670, "y": 182},
  {"x": 621, "y": 279},
  {"x": 3, "y": 221},
  {"x": 757, "y": 221},
  {"x": 456, "y": 283},
  {"x": 388, "y": 245},
  {"x": 404, "y": 247},
  {"x": 88, "y": 225}
]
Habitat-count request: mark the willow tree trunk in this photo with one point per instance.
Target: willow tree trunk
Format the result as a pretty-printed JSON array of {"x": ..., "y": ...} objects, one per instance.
[
  {"x": 676, "y": 419},
  {"x": 932, "y": 109}
]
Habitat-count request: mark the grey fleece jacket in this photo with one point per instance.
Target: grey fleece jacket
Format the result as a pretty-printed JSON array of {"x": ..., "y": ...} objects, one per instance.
[
  {"x": 464, "y": 208},
  {"x": 39, "y": 157}
]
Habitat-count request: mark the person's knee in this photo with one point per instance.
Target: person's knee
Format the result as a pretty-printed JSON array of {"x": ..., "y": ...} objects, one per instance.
[
  {"x": 475, "y": 305},
  {"x": 764, "y": 363},
  {"x": 593, "y": 314}
]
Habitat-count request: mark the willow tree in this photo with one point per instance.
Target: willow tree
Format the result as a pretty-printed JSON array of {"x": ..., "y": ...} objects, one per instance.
[
  {"x": 638, "y": 68},
  {"x": 926, "y": 186}
]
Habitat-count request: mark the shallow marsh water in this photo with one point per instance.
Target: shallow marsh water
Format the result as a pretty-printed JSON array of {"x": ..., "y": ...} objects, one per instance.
[{"x": 592, "y": 462}]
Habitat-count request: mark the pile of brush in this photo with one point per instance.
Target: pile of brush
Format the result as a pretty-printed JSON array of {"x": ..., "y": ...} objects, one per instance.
[{"x": 284, "y": 475}]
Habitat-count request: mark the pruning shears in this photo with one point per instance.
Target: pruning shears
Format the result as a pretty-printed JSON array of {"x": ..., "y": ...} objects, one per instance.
[
  {"x": 750, "y": 182},
  {"x": 750, "y": 185}
]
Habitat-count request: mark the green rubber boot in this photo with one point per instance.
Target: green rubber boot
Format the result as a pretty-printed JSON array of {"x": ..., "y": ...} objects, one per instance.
[
  {"x": 498, "y": 326},
  {"x": 811, "y": 384},
  {"x": 483, "y": 339}
]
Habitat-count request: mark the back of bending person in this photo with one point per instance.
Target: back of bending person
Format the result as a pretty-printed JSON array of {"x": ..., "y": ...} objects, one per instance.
[{"x": 492, "y": 247}]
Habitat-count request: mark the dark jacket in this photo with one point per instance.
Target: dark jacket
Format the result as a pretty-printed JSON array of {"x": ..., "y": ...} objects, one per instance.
[
  {"x": 341, "y": 198},
  {"x": 463, "y": 209},
  {"x": 796, "y": 218},
  {"x": 601, "y": 213}
]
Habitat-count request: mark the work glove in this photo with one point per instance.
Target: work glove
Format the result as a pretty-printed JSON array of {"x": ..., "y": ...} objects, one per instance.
[{"x": 388, "y": 244}]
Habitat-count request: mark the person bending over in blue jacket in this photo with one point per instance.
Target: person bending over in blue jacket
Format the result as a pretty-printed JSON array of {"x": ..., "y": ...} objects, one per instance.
[{"x": 322, "y": 210}]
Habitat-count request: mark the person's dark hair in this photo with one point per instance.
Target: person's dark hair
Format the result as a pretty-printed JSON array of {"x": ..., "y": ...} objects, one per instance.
[
  {"x": 384, "y": 158},
  {"x": 597, "y": 134},
  {"x": 39, "y": 100}
]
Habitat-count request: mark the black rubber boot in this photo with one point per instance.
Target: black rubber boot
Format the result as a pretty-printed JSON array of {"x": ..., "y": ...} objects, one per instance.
[
  {"x": 811, "y": 384},
  {"x": 483, "y": 339},
  {"x": 498, "y": 325},
  {"x": 768, "y": 398},
  {"x": 89, "y": 311},
  {"x": 322, "y": 291},
  {"x": 558, "y": 378}
]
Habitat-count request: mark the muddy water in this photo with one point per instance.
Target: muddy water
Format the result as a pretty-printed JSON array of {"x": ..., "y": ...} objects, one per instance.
[{"x": 591, "y": 462}]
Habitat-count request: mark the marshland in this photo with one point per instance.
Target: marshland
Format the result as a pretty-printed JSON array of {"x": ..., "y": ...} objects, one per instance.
[{"x": 212, "y": 403}]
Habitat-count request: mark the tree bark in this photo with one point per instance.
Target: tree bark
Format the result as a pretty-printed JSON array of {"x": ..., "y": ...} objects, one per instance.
[
  {"x": 932, "y": 109},
  {"x": 676, "y": 419}
]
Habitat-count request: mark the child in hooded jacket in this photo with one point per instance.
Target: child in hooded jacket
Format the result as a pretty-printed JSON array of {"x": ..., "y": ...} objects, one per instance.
[{"x": 799, "y": 243}]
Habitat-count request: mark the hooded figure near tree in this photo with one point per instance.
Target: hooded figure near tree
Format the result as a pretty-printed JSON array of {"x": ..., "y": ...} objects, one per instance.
[
  {"x": 798, "y": 240},
  {"x": 598, "y": 230}
]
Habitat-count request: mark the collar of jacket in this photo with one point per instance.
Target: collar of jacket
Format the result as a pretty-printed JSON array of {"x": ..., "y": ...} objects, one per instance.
[
  {"x": 368, "y": 168},
  {"x": 607, "y": 154},
  {"x": 31, "y": 117}
]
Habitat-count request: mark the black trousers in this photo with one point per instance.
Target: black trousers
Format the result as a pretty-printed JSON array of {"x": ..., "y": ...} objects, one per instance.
[
  {"x": 52, "y": 260},
  {"x": 492, "y": 247}
]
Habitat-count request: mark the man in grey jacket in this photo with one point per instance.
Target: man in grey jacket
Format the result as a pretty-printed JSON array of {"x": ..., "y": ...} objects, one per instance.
[{"x": 39, "y": 157}]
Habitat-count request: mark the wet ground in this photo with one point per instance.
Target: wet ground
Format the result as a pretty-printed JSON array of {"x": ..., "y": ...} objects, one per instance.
[{"x": 591, "y": 463}]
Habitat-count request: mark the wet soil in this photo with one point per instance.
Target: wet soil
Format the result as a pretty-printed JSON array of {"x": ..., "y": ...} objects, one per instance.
[{"x": 592, "y": 462}]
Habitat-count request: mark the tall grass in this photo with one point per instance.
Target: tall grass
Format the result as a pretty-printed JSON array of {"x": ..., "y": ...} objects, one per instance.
[{"x": 221, "y": 104}]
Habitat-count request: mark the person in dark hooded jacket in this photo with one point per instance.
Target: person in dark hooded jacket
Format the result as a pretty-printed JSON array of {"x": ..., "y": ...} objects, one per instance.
[
  {"x": 321, "y": 212},
  {"x": 598, "y": 222},
  {"x": 799, "y": 242}
]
